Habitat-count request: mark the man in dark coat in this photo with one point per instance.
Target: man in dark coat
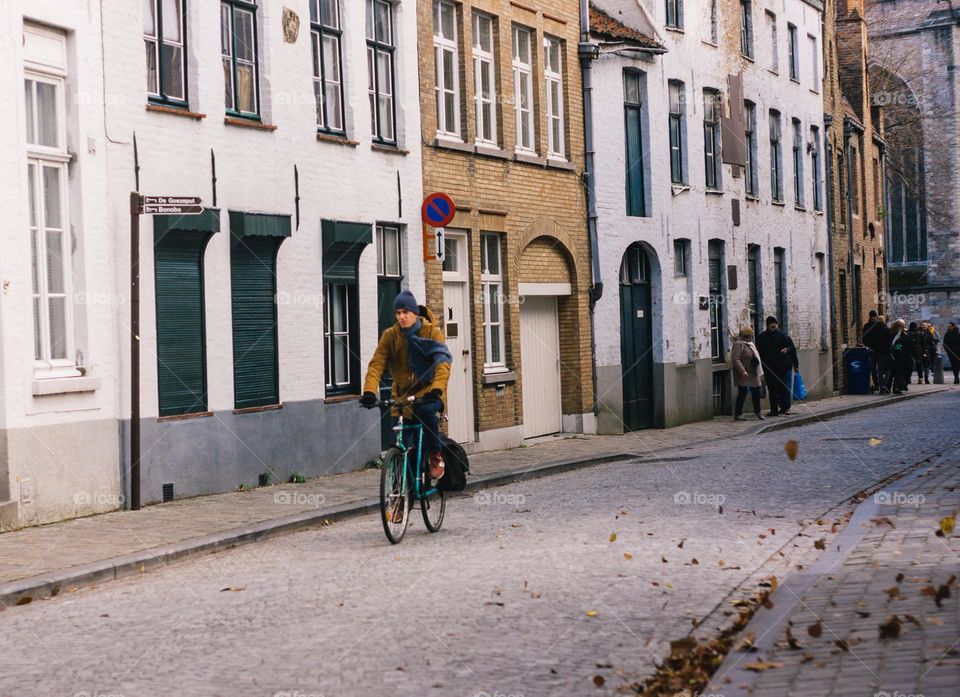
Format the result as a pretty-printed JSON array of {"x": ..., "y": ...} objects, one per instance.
[
  {"x": 922, "y": 348},
  {"x": 778, "y": 356},
  {"x": 901, "y": 351},
  {"x": 951, "y": 342},
  {"x": 874, "y": 334}
]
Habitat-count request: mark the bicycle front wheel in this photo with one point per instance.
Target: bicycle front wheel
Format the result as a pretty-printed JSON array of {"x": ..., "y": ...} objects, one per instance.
[
  {"x": 433, "y": 507},
  {"x": 394, "y": 497}
]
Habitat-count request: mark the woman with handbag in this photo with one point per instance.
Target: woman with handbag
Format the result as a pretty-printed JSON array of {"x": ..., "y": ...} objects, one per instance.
[{"x": 747, "y": 373}]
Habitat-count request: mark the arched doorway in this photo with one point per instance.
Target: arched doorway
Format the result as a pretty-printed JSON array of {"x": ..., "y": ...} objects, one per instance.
[{"x": 636, "y": 338}]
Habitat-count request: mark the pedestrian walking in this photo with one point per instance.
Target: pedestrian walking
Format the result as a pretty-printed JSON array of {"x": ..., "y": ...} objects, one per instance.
[
  {"x": 747, "y": 373},
  {"x": 874, "y": 335},
  {"x": 901, "y": 353},
  {"x": 951, "y": 344},
  {"x": 922, "y": 347},
  {"x": 778, "y": 356}
]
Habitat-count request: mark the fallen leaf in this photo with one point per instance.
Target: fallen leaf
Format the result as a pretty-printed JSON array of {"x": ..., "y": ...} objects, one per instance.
[
  {"x": 591, "y": 613},
  {"x": 231, "y": 588},
  {"x": 694, "y": 561},
  {"x": 900, "y": 577},
  {"x": 891, "y": 628},
  {"x": 627, "y": 556},
  {"x": 599, "y": 680},
  {"x": 815, "y": 630},
  {"x": 792, "y": 640},
  {"x": 914, "y": 620},
  {"x": 943, "y": 592},
  {"x": 863, "y": 613},
  {"x": 947, "y": 524},
  {"x": 883, "y": 520},
  {"x": 720, "y": 509},
  {"x": 535, "y": 594},
  {"x": 760, "y": 666},
  {"x": 791, "y": 447},
  {"x": 613, "y": 537},
  {"x": 874, "y": 442},
  {"x": 842, "y": 645},
  {"x": 680, "y": 546},
  {"x": 25, "y": 600},
  {"x": 663, "y": 559},
  {"x": 893, "y": 592},
  {"x": 820, "y": 544},
  {"x": 747, "y": 643},
  {"x": 935, "y": 620},
  {"x": 498, "y": 603}
]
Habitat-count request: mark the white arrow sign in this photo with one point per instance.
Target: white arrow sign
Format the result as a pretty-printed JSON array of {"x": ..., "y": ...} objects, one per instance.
[{"x": 440, "y": 234}]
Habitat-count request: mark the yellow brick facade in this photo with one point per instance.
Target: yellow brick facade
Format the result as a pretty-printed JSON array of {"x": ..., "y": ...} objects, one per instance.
[{"x": 537, "y": 206}]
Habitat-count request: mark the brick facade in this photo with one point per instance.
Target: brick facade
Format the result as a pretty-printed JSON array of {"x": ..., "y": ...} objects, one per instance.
[{"x": 536, "y": 204}]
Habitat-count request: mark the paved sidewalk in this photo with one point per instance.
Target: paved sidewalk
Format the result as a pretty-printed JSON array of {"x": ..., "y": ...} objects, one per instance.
[
  {"x": 42, "y": 561},
  {"x": 878, "y": 614}
]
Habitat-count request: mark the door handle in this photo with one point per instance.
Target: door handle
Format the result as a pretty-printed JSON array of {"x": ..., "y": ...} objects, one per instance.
[{"x": 466, "y": 352}]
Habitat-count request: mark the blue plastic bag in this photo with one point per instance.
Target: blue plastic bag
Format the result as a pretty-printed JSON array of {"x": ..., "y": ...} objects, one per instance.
[{"x": 798, "y": 389}]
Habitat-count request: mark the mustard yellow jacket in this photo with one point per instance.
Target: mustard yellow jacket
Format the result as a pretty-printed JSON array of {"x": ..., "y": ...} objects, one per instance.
[{"x": 392, "y": 353}]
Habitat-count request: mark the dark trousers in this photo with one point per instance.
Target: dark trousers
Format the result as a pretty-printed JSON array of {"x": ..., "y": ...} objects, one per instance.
[
  {"x": 742, "y": 397},
  {"x": 923, "y": 370},
  {"x": 884, "y": 373},
  {"x": 902, "y": 369},
  {"x": 427, "y": 414},
  {"x": 876, "y": 372},
  {"x": 779, "y": 390}
]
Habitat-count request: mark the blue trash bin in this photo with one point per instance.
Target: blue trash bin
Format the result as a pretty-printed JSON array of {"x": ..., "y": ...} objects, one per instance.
[{"x": 857, "y": 364}]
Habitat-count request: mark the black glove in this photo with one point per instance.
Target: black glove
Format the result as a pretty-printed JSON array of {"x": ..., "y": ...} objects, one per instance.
[{"x": 368, "y": 400}]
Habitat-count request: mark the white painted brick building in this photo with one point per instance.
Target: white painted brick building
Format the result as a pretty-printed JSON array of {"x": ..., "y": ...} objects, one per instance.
[
  {"x": 66, "y": 454},
  {"x": 675, "y": 359}
]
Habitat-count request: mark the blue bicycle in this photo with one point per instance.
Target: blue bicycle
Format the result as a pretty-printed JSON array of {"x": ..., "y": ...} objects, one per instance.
[{"x": 404, "y": 481}]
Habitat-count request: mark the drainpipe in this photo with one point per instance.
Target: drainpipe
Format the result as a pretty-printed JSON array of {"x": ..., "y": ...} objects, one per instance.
[
  {"x": 851, "y": 195},
  {"x": 886, "y": 231},
  {"x": 588, "y": 52},
  {"x": 831, "y": 223}
]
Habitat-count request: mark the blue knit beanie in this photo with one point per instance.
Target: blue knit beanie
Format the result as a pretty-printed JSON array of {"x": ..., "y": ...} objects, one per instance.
[{"x": 406, "y": 301}]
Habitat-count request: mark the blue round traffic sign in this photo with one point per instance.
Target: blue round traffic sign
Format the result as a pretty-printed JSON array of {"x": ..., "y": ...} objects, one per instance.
[{"x": 438, "y": 210}]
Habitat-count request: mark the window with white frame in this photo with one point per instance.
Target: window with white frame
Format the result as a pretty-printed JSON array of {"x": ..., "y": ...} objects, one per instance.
[
  {"x": 325, "y": 35},
  {"x": 164, "y": 32},
  {"x": 746, "y": 28},
  {"x": 714, "y": 29},
  {"x": 381, "y": 46},
  {"x": 340, "y": 357},
  {"x": 491, "y": 281},
  {"x": 680, "y": 257},
  {"x": 711, "y": 138},
  {"x": 49, "y": 216},
  {"x": 238, "y": 48},
  {"x": 675, "y": 14},
  {"x": 523, "y": 87},
  {"x": 678, "y": 174},
  {"x": 553, "y": 75},
  {"x": 446, "y": 54},
  {"x": 798, "y": 188},
  {"x": 484, "y": 75},
  {"x": 793, "y": 49},
  {"x": 388, "y": 251},
  {"x": 750, "y": 137},
  {"x": 815, "y": 169},
  {"x": 776, "y": 158},
  {"x": 814, "y": 63},
  {"x": 774, "y": 44}
]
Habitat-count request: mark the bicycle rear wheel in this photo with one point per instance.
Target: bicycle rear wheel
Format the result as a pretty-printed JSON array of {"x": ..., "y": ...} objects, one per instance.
[
  {"x": 433, "y": 507},
  {"x": 394, "y": 497}
]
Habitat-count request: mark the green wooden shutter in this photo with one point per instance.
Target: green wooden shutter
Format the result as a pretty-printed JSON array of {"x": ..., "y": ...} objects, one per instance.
[
  {"x": 181, "y": 355},
  {"x": 635, "y": 193},
  {"x": 253, "y": 266}
]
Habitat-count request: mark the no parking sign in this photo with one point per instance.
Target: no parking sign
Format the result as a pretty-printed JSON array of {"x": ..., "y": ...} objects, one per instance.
[{"x": 437, "y": 211}]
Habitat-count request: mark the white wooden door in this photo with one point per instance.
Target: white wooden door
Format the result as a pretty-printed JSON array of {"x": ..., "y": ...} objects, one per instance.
[
  {"x": 540, "y": 363},
  {"x": 457, "y": 327}
]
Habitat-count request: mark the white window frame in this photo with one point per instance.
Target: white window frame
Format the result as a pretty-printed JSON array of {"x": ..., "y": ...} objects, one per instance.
[
  {"x": 751, "y": 173},
  {"x": 711, "y": 139},
  {"x": 523, "y": 72},
  {"x": 793, "y": 52},
  {"x": 799, "y": 198},
  {"x": 776, "y": 155},
  {"x": 387, "y": 250},
  {"x": 487, "y": 281},
  {"x": 774, "y": 46},
  {"x": 327, "y": 31},
  {"x": 553, "y": 76},
  {"x": 746, "y": 28},
  {"x": 381, "y": 89},
  {"x": 444, "y": 46},
  {"x": 53, "y": 157},
  {"x": 330, "y": 335},
  {"x": 485, "y": 95},
  {"x": 233, "y": 8},
  {"x": 158, "y": 39},
  {"x": 814, "y": 62}
]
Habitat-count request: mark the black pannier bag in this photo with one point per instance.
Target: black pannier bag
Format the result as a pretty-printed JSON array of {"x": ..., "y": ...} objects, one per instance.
[{"x": 457, "y": 466}]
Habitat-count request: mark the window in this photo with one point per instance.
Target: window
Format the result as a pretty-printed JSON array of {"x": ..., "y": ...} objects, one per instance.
[
  {"x": 711, "y": 138},
  {"x": 814, "y": 63},
  {"x": 675, "y": 14},
  {"x": 164, "y": 32},
  {"x": 523, "y": 87},
  {"x": 380, "y": 84},
  {"x": 746, "y": 28},
  {"x": 49, "y": 215},
  {"x": 774, "y": 43},
  {"x": 446, "y": 55},
  {"x": 713, "y": 22},
  {"x": 339, "y": 308},
  {"x": 776, "y": 158},
  {"x": 325, "y": 35},
  {"x": 780, "y": 286},
  {"x": 854, "y": 180},
  {"x": 844, "y": 310},
  {"x": 792, "y": 53},
  {"x": 389, "y": 273},
  {"x": 633, "y": 93},
  {"x": 553, "y": 75},
  {"x": 753, "y": 287},
  {"x": 491, "y": 281},
  {"x": 908, "y": 221},
  {"x": 750, "y": 136},
  {"x": 815, "y": 169},
  {"x": 484, "y": 74},
  {"x": 716, "y": 302},
  {"x": 680, "y": 257},
  {"x": 798, "y": 198},
  {"x": 238, "y": 48},
  {"x": 678, "y": 153}
]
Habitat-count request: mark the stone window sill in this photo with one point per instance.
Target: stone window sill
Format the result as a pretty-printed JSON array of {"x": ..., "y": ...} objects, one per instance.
[
  {"x": 677, "y": 189},
  {"x": 256, "y": 410},
  {"x": 529, "y": 159},
  {"x": 389, "y": 149},
  {"x": 248, "y": 123},
  {"x": 341, "y": 398},
  {"x": 175, "y": 111},
  {"x": 564, "y": 165},
  {"x": 184, "y": 417},
  {"x": 500, "y": 378},
  {"x": 778, "y": 203},
  {"x": 339, "y": 140},
  {"x": 51, "y": 386},
  {"x": 714, "y": 192},
  {"x": 755, "y": 199},
  {"x": 448, "y": 143},
  {"x": 491, "y": 151}
]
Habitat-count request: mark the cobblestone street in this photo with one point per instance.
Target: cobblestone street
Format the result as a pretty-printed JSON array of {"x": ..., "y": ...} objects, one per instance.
[{"x": 545, "y": 587}]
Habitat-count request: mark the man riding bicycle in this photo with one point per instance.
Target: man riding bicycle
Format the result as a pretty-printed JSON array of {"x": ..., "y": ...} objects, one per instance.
[{"x": 419, "y": 361}]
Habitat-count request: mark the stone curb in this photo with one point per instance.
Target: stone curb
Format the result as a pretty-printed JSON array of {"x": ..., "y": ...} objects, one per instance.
[{"x": 53, "y": 583}]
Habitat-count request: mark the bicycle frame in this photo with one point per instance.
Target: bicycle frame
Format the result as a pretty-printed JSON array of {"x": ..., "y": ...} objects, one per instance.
[{"x": 401, "y": 427}]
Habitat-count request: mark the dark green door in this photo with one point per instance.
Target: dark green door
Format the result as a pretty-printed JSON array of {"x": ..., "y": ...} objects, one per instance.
[
  {"x": 636, "y": 339},
  {"x": 181, "y": 354},
  {"x": 388, "y": 288}
]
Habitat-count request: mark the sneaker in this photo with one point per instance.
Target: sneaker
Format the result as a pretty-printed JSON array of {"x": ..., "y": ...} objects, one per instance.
[
  {"x": 437, "y": 467},
  {"x": 739, "y": 417},
  {"x": 786, "y": 413},
  {"x": 760, "y": 416}
]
